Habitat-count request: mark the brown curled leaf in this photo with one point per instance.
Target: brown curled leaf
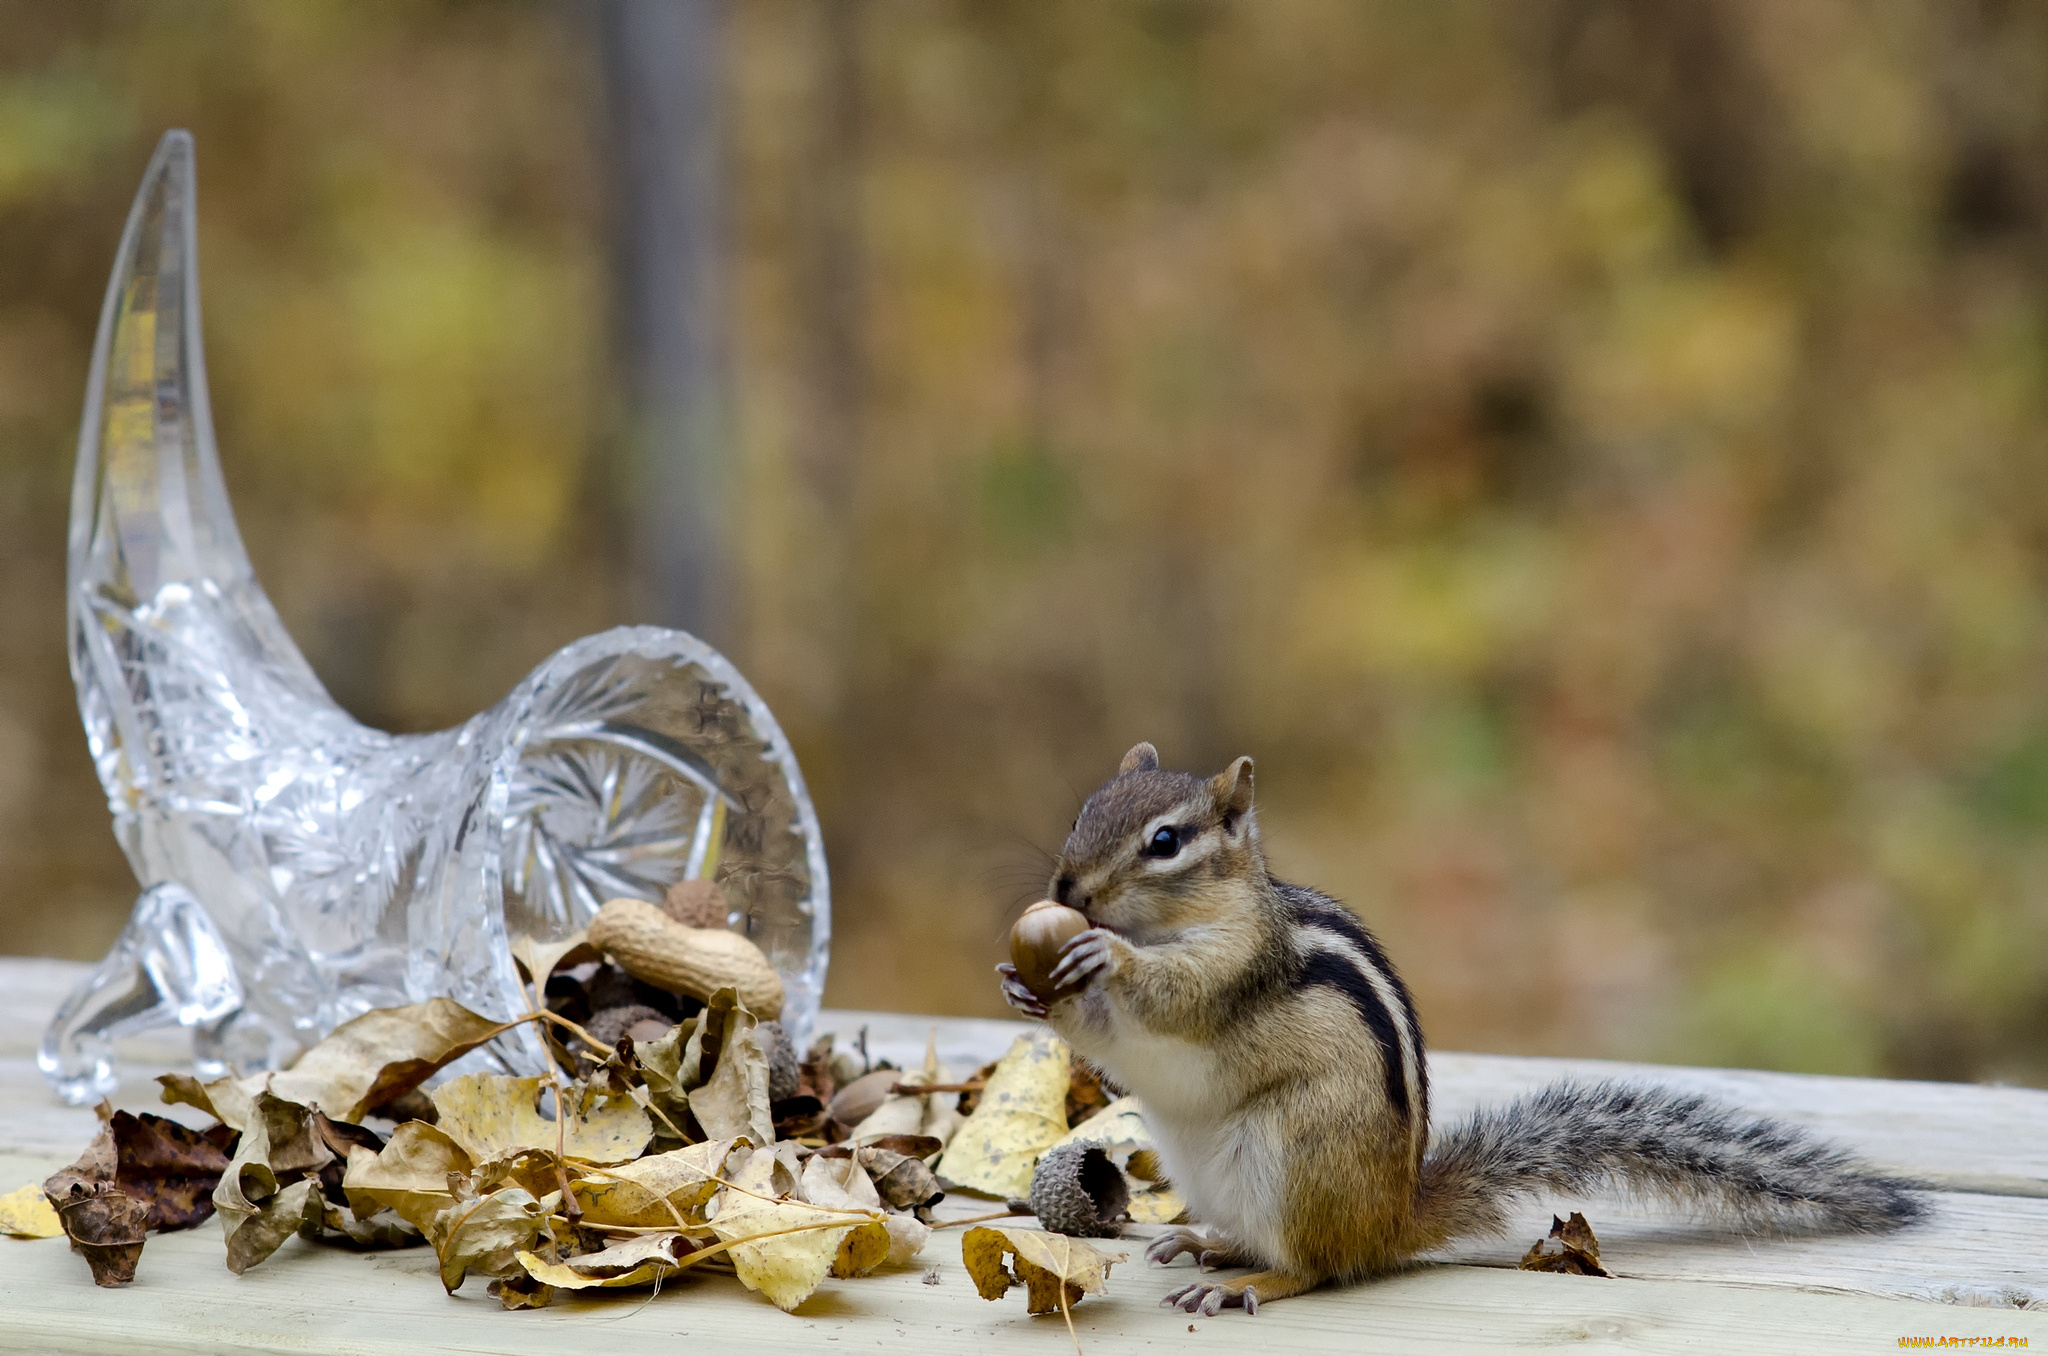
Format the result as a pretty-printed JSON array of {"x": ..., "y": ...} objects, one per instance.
[
  {"x": 1570, "y": 1248},
  {"x": 172, "y": 1169},
  {"x": 904, "y": 1182},
  {"x": 106, "y": 1227}
]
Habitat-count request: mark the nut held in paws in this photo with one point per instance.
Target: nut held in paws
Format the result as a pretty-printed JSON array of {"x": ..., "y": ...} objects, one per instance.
[{"x": 1035, "y": 942}]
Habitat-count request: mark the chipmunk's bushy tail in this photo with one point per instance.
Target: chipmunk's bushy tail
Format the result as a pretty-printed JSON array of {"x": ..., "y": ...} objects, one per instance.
[{"x": 1571, "y": 1138}]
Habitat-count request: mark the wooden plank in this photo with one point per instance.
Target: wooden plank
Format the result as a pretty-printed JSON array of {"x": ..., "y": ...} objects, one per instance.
[
  {"x": 1680, "y": 1284},
  {"x": 313, "y": 1298},
  {"x": 1983, "y": 1251}
]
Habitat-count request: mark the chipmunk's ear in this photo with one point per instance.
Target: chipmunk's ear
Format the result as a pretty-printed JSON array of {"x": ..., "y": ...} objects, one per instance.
[
  {"x": 1232, "y": 789},
  {"x": 1141, "y": 758}
]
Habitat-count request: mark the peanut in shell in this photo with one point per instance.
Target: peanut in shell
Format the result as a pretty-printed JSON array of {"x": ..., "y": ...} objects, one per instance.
[{"x": 696, "y": 962}]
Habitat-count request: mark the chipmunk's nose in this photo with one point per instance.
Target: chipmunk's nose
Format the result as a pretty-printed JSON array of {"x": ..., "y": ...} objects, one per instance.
[{"x": 1063, "y": 887}]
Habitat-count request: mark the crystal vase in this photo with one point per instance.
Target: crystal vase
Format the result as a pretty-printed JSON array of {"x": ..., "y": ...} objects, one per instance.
[{"x": 299, "y": 868}]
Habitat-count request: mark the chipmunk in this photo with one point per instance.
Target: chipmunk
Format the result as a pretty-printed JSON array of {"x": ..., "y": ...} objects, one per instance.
[{"x": 1280, "y": 1065}]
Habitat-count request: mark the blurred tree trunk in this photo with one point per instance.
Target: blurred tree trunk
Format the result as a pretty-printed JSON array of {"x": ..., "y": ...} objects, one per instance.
[
  {"x": 836, "y": 311},
  {"x": 663, "y": 72}
]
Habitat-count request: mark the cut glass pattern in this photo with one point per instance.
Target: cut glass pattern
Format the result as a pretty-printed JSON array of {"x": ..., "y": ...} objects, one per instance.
[{"x": 300, "y": 868}]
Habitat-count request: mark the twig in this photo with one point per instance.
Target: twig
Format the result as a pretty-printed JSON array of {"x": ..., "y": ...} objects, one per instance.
[
  {"x": 915, "y": 1089},
  {"x": 979, "y": 1219},
  {"x": 1066, "y": 1312},
  {"x": 571, "y": 1207}
]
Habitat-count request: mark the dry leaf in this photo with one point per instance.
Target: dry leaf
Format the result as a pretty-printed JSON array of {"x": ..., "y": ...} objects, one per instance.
[
  {"x": 1022, "y": 1112},
  {"x": 494, "y": 1115},
  {"x": 106, "y": 1227},
  {"x": 785, "y": 1249},
  {"x": 661, "y": 1069},
  {"x": 1160, "y": 1204},
  {"x": 172, "y": 1169},
  {"x": 904, "y": 1182},
  {"x": 1044, "y": 1263},
  {"x": 840, "y": 1183},
  {"x": 541, "y": 959},
  {"x": 382, "y": 1229},
  {"x": 522, "y": 1292},
  {"x": 93, "y": 1168},
  {"x": 180, "y": 1087},
  {"x": 732, "y": 1099},
  {"x": 1119, "y": 1128},
  {"x": 267, "y": 1193},
  {"x": 862, "y": 1249},
  {"x": 368, "y": 1061},
  {"x": 485, "y": 1234},
  {"x": 636, "y": 1261},
  {"x": 641, "y": 1193},
  {"x": 907, "y": 1235},
  {"x": 1086, "y": 1094},
  {"x": 26, "y": 1213},
  {"x": 912, "y": 1113},
  {"x": 410, "y": 1176},
  {"x": 362, "y": 1064},
  {"x": 1571, "y": 1248}
]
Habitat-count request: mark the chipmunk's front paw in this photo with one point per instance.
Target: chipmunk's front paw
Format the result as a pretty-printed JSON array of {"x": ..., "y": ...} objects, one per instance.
[
  {"x": 1018, "y": 996},
  {"x": 1087, "y": 957}
]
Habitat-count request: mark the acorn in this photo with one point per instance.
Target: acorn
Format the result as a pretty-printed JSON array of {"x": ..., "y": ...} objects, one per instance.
[
  {"x": 1077, "y": 1189},
  {"x": 1035, "y": 942}
]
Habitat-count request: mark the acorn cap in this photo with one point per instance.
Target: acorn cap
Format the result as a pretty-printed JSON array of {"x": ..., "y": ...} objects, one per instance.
[{"x": 1078, "y": 1190}]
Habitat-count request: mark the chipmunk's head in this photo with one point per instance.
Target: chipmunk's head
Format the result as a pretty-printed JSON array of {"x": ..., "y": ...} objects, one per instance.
[{"x": 1155, "y": 852}]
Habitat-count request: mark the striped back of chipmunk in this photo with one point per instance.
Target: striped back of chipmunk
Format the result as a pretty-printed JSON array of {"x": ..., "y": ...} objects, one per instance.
[{"x": 1334, "y": 950}]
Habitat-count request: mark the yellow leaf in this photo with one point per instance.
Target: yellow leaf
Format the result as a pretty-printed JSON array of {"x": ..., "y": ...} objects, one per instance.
[
  {"x": 1159, "y": 1205},
  {"x": 1022, "y": 1113},
  {"x": 26, "y": 1213},
  {"x": 493, "y": 1115},
  {"x": 639, "y": 1193},
  {"x": 785, "y": 1249},
  {"x": 1119, "y": 1128},
  {"x": 633, "y": 1262},
  {"x": 410, "y": 1176},
  {"x": 1045, "y": 1264}
]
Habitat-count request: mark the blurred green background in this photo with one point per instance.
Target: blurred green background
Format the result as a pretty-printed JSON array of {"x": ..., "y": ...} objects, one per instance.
[{"x": 1591, "y": 453}]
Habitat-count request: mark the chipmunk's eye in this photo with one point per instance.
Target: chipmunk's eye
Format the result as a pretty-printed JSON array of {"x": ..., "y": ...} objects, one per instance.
[{"x": 1163, "y": 843}]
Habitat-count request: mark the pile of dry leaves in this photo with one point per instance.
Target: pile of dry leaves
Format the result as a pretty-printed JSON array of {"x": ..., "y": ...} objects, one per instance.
[{"x": 672, "y": 1133}]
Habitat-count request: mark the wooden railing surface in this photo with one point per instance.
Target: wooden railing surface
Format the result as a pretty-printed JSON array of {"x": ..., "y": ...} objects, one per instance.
[{"x": 1978, "y": 1269}]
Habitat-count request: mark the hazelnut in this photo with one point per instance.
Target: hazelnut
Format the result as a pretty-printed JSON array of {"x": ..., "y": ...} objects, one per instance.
[
  {"x": 1035, "y": 942},
  {"x": 857, "y": 1101}
]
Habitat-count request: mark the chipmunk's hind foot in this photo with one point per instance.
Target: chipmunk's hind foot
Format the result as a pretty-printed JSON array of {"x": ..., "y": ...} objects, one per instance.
[
  {"x": 1210, "y": 1298},
  {"x": 1208, "y": 1251}
]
